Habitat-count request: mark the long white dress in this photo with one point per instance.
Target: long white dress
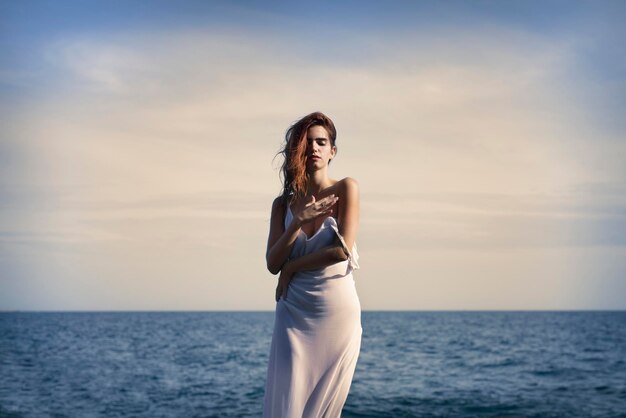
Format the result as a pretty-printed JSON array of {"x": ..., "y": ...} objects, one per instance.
[{"x": 317, "y": 335}]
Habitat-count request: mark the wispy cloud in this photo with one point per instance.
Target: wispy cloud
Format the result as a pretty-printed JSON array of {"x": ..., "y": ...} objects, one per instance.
[{"x": 148, "y": 143}]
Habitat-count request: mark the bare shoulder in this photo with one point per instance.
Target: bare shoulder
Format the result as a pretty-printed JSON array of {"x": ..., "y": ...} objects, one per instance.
[
  {"x": 349, "y": 185},
  {"x": 277, "y": 203},
  {"x": 278, "y": 208}
]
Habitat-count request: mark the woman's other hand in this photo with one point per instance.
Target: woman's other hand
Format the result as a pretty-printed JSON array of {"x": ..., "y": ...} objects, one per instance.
[{"x": 283, "y": 281}]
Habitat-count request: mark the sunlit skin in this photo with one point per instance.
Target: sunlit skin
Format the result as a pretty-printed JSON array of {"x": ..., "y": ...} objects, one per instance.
[{"x": 325, "y": 197}]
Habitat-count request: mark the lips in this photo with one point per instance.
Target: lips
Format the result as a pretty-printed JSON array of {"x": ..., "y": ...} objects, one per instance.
[{"x": 314, "y": 157}]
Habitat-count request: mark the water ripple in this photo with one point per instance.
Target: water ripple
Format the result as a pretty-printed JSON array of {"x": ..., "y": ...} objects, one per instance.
[{"x": 412, "y": 364}]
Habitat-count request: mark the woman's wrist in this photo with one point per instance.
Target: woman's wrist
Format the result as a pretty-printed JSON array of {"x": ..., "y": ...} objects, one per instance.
[{"x": 295, "y": 225}]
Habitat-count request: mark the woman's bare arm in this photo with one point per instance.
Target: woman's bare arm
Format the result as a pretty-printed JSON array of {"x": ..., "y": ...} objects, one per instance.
[
  {"x": 318, "y": 259},
  {"x": 348, "y": 226},
  {"x": 280, "y": 241},
  {"x": 349, "y": 212}
]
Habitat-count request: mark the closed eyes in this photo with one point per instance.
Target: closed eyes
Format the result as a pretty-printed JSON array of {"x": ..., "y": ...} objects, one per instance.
[{"x": 320, "y": 141}]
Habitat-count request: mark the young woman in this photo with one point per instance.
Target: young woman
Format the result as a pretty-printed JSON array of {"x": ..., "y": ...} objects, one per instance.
[{"x": 317, "y": 327}]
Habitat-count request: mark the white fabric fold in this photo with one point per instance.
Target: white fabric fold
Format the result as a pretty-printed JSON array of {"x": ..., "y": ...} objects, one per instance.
[
  {"x": 353, "y": 257},
  {"x": 317, "y": 334}
]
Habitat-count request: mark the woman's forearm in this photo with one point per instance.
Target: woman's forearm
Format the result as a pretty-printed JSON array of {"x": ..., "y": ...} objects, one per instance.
[
  {"x": 318, "y": 259},
  {"x": 279, "y": 253}
]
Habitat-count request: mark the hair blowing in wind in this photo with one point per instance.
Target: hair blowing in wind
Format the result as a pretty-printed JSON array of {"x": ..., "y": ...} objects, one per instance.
[{"x": 293, "y": 170}]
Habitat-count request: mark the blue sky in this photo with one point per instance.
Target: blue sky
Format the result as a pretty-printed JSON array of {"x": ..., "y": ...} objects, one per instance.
[
  {"x": 27, "y": 26},
  {"x": 487, "y": 137}
]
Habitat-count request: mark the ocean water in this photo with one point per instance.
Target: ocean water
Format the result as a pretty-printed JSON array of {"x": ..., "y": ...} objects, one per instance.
[{"x": 412, "y": 364}]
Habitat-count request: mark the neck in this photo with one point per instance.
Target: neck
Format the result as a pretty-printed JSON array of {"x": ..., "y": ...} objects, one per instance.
[{"x": 318, "y": 181}]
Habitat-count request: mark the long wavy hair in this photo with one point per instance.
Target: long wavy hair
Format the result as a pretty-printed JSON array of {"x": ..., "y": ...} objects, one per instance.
[{"x": 293, "y": 171}]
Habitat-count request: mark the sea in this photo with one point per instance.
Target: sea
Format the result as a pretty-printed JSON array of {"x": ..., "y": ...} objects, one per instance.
[{"x": 412, "y": 364}]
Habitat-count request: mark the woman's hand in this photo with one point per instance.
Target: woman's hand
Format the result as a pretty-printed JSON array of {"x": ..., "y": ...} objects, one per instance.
[
  {"x": 283, "y": 281},
  {"x": 313, "y": 209}
]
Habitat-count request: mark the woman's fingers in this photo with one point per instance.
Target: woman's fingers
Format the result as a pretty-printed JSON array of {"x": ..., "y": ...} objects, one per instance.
[
  {"x": 320, "y": 203},
  {"x": 314, "y": 209},
  {"x": 327, "y": 206},
  {"x": 279, "y": 291},
  {"x": 328, "y": 201}
]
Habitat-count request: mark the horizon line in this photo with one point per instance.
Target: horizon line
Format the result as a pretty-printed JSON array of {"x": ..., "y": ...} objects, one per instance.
[{"x": 270, "y": 311}]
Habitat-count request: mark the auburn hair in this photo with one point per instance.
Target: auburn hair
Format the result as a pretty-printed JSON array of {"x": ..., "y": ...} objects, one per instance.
[{"x": 293, "y": 171}]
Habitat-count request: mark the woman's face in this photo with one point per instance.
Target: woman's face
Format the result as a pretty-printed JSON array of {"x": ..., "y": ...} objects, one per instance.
[{"x": 319, "y": 149}]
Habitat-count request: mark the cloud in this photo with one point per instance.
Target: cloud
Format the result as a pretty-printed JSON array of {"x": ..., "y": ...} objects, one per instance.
[{"x": 149, "y": 147}]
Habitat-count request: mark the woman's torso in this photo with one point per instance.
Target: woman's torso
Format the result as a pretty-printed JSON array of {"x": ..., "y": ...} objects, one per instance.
[{"x": 326, "y": 293}]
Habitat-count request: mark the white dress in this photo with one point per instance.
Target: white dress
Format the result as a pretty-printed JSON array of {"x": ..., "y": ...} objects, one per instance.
[{"x": 317, "y": 335}]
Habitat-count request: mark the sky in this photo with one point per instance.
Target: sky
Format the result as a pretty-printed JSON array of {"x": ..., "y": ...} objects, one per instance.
[{"x": 138, "y": 146}]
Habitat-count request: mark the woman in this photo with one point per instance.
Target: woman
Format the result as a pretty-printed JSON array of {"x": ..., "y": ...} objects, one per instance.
[{"x": 317, "y": 327}]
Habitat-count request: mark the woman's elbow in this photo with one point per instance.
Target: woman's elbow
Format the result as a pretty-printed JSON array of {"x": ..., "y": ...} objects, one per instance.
[{"x": 272, "y": 267}]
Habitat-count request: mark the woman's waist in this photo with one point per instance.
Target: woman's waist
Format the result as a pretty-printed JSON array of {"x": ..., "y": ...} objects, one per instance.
[
  {"x": 333, "y": 271},
  {"x": 322, "y": 276},
  {"x": 316, "y": 293}
]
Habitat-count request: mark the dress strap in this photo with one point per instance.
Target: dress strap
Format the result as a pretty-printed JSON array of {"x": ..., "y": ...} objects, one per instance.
[{"x": 288, "y": 216}]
